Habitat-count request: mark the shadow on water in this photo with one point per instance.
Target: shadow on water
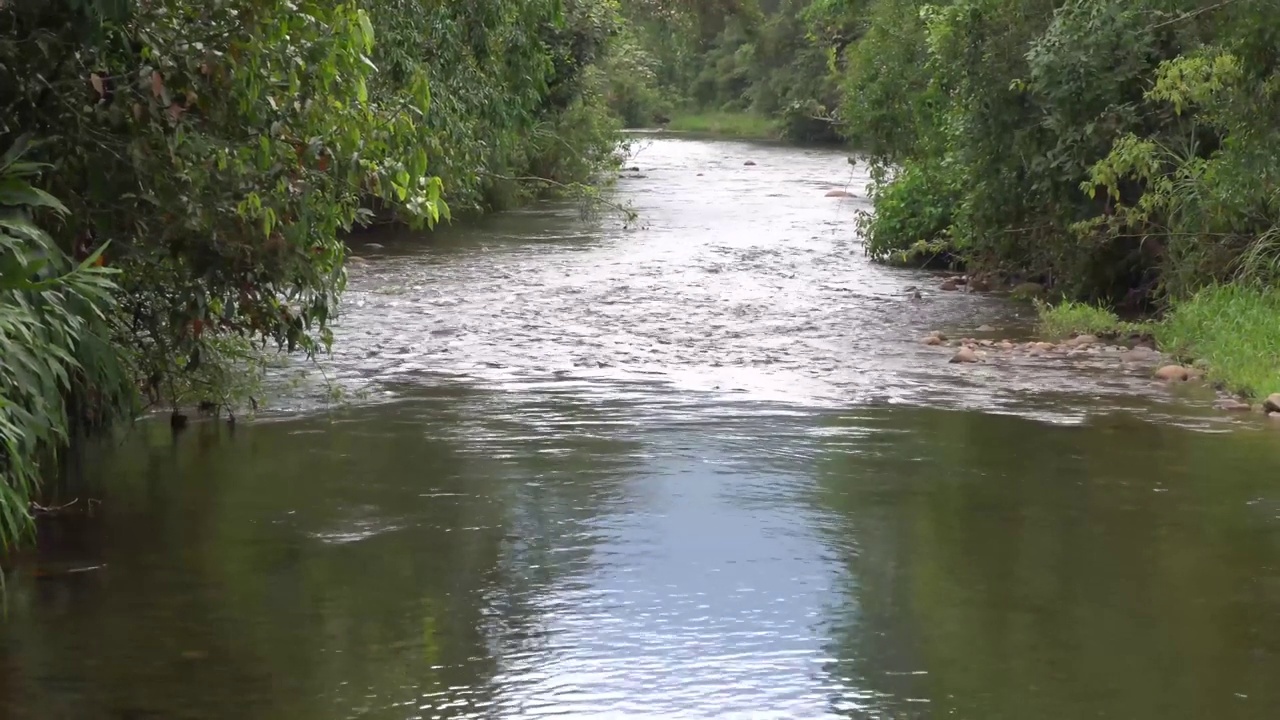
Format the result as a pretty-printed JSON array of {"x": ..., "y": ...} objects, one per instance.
[{"x": 700, "y": 469}]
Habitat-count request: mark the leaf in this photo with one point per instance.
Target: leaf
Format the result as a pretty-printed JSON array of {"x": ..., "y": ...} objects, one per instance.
[
  {"x": 96, "y": 81},
  {"x": 366, "y": 29},
  {"x": 157, "y": 84}
]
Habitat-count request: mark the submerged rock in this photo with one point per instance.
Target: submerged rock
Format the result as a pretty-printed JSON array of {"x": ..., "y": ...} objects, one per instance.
[
  {"x": 356, "y": 260},
  {"x": 1233, "y": 405},
  {"x": 964, "y": 355},
  {"x": 749, "y": 162},
  {"x": 1174, "y": 373},
  {"x": 986, "y": 328},
  {"x": 839, "y": 193}
]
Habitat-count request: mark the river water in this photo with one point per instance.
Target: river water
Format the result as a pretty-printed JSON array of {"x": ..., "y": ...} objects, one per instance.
[{"x": 699, "y": 467}]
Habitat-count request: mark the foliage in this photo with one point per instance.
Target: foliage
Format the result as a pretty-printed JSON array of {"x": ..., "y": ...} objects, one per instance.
[
  {"x": 1120, "y": 150},
  {"x": 1235, "y": 329},
  {"x": 727, "y": 124},
  {"x": 213, "y": 156},
  {"x": 54, "y": 317},
  {"x": 1068, "y": 319}
]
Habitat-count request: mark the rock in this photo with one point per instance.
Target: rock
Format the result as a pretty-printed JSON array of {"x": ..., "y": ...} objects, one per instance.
[
  {"x": 633, "y": 168},
  {"x": 749, "y": 162},
  {"x": 962, "y": 280},
  {"x": 1045, "y": 346},
  {"x": 1027, "y": 290},
  {"x": 1174, "y": 373},
  {"x": 1272, "y": 403},
  {"x": 986, "y": 328},
  {"x": 356, "y": 260},
  {"x": 1233, "y": 405},
  {"x": 949, "y": 285},
  {"x": 839, "y": 193},
  {"x": 909, "y": 288},
  {"x": 979, "y": 284},
  {"x": 964, "y": 355},
  {"x": 1082, "y": 340},
  {"x": 933, "y": 340},
  {"x": 375, "y": 246},
  {"x": 1006, "y": 345}
]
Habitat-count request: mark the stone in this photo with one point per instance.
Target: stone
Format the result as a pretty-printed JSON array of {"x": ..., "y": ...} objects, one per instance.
[
  {"x": 839, "y": 194},
  {"x": 986, "y": 328},
  {"x": 749, "y": 162},
  {"x": 1173, "y": 373},
  {"x": 1045, "y": 346},
  {"x": 1082, "y": 340},
  {"x": 964, "y": 355},
  {"x": 934, "y": 339},
  {"x": 962, "y": 280},
  {"x": 979, "y": 284},
  {"x": 1027, "y": 290},
  {"x": 356, "y": 260},
  {"x": 1272, "y": 403},
  {"x": 949, "y": 285},
  {"x": 1233, "y": 405},
  {"x": 375, "y": 246},
  {"x": 1006, "y": 345}
]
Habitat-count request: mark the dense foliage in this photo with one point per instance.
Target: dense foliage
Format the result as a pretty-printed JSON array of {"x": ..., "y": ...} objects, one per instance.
[
  {"x": 1122, "y": 150},
  {"x": 212, "y": 155}
]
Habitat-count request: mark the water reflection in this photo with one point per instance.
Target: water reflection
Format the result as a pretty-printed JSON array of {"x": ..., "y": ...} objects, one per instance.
[{"x": 464, "y": 555}]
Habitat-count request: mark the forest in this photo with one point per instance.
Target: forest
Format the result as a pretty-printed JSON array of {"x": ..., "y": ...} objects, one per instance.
[{"x": 178, "y": 177}]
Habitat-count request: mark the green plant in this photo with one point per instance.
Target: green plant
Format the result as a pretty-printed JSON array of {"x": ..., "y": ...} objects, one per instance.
[
  {"x": 57, "y": 372},
  {"x": 1067, "y": 319},
  {"x": 1235, "y": 330}
]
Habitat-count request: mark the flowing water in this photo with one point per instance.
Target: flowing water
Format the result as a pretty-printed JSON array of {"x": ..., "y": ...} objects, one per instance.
[{"x": 696, "y": 468}]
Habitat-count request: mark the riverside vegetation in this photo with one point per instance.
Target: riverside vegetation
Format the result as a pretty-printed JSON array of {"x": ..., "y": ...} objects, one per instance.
[{"x": 178, "y": 177}]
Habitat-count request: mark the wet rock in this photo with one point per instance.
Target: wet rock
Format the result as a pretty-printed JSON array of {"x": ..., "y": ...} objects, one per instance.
[
  {"x": 933, "y": 340},
  {"x": 1140, "y": 353},
  {"x": 839, "y": 194},
  {"x": 949, "y": 285},
  {"x": 633, "y": 168},
  {"x": 1233, "y": 405},
  {"x": 964, "y": 355},
  {"x": 356, "y": 260},
  {"x": 1174, "y": 373},
  {"x": 375, "y": 246},
  {"x": 962, "y": 280},
  {"x": 1027, "y": 290},
  {"x": 986, "y": 328},
  {"x": 749, "y": 162},
  {"x": 1082, "y": 340},
  {"x": 1006, "y": 345},
  {"x": 1045, "y": 346},
  {"x": 909, "y": 288},
  {"x": 1272, "y": 403},
  {"x": 979, "y": 284}
]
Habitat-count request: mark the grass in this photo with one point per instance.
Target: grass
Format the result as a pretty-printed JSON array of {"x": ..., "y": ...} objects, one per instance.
[
  {"x": 728, "y": 124},
  {"x": 1068, "y": 319},
  {"x": 1235, "y": 330}
]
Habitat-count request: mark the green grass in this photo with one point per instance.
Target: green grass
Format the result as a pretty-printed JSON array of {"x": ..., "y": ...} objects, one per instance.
[
  {"x": 1064, "y": 320},
  {"x": 1235, "y": 329},
  {"x": 728, "y": 124}
]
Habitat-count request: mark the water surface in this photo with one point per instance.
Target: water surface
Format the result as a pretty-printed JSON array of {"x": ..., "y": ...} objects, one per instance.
[{"x": 696, "y": 468}]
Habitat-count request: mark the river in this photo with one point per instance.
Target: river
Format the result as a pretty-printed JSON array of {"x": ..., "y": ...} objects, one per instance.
[{"x": 696, "y": 467}]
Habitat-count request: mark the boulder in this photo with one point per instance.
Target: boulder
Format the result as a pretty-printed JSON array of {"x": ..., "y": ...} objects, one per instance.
[
  {"x": 1006, "y": 345},
  {"x": 1272, "y": 403},
  {"x": 1027, "y": 290},
  {"x": 839, "y": 193},
  {"x": 1082, "y": 340},
  {"x": 949, "y": 285},
  {"x": 1233, "y": 405},
  {"x": 986, "y": 328},
  {"x": 1174, "y": 373},
  {"x": 932, "y": 340},
  {"x": 964, "y": 355}
]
